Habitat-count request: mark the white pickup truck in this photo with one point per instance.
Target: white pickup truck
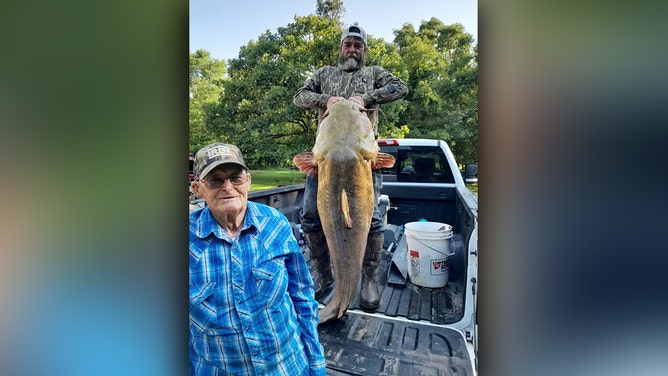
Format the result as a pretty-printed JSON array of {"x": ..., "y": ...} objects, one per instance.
[{"x": 416, "y": 330}]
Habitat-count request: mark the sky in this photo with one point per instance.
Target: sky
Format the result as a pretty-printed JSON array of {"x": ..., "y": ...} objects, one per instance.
[{"x": 223, "y": 26}]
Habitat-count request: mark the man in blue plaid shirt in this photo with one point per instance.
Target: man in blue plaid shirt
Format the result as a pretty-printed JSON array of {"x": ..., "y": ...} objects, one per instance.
[{"x": 252, "y": 308}]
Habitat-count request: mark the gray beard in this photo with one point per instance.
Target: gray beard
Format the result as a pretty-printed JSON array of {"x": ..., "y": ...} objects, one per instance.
[{"x": 351, "y": 64}]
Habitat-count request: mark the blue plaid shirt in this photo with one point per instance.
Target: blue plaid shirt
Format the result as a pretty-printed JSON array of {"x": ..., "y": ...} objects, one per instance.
[{"x": 252, "y": 310}]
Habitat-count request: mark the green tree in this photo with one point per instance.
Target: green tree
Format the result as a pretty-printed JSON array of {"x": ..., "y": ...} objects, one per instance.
[
  {"x": 331, "y": 9},
  {"x": 443, "y": 85},
  {"x": 256, "y": 111},
  {"x": 206, "y": 75},
  {"x": 253, "y": 107}
]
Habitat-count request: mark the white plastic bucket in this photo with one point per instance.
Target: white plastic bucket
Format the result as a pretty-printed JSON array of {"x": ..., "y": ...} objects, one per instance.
[{"x": 428, "y": 253}]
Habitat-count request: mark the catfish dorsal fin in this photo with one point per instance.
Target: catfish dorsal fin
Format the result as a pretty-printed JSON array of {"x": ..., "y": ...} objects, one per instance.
[{"x": 345, "y": 210}]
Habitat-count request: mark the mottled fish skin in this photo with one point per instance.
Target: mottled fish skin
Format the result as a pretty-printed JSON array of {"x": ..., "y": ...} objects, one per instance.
[
  {"x": 343, "y": 154},
  {"x": 346, "y": 228}
]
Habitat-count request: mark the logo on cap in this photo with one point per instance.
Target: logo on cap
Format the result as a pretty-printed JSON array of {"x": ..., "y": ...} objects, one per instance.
[{"x": 219, "y": 151}]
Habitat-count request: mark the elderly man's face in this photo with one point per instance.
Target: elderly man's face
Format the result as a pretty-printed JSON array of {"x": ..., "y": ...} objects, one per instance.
[
  {"x": 352, "y": 54},
  {"x": 225, "y": 190}
]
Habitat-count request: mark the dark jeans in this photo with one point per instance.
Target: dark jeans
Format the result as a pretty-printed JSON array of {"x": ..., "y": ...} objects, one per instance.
[{"x": 309, "y": 215}]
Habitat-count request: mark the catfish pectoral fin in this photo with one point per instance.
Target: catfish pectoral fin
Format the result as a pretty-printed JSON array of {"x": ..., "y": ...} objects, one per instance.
[
  {"x": 383, "y": 160},
  {"x": 305, "y": 162}
]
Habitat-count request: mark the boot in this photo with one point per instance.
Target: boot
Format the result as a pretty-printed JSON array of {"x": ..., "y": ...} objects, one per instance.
[
  {"x": 370, "y": 298},
  {"x": 317, "y": 243}
]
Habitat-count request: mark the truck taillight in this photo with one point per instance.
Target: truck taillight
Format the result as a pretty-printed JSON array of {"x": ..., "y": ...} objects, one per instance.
[{"x": 386, "y": 142}]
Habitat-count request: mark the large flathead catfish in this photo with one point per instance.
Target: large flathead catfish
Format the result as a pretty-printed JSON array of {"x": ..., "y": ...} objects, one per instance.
[{"x": 344, "y": 154}]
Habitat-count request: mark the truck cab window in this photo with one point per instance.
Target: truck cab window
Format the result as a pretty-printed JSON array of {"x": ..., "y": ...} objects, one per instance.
[{"x": 425, "y": 164}]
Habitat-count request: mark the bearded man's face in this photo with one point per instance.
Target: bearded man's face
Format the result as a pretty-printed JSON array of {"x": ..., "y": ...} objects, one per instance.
[{"x": 352, "y": 54}]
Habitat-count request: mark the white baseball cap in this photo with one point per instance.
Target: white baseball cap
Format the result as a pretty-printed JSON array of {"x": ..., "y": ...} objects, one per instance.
[{"x": 354, "y": 31}]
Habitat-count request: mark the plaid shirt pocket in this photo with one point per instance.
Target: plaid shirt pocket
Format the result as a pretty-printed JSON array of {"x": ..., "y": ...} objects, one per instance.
[{"x": 202, "y": 309}]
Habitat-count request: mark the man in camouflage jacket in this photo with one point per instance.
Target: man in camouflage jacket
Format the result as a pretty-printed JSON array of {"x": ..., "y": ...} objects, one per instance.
[{"x": 370, "y": 87}]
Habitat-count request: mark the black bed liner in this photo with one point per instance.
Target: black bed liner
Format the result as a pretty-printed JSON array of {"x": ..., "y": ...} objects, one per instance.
[
  {"x": 363, "y": 344},
  {"x": 405, "y": 336}
]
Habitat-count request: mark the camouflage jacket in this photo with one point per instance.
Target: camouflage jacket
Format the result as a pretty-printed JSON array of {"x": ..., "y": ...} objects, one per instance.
[{"x": 375, "y": 84}]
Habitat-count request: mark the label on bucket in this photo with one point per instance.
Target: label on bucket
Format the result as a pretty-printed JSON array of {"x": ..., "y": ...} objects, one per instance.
[
  {"x": 439, "y": 266},
  {"x": 414, "y": 253}
]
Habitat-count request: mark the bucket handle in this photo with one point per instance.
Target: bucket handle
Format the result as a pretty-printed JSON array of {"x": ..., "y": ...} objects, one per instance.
[{"x": 418, "y": 239}]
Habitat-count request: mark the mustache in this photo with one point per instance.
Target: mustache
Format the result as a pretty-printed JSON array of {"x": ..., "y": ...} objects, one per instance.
[
  {"x": 352, "y": 61},
  {"x": 356, "y": 58}
]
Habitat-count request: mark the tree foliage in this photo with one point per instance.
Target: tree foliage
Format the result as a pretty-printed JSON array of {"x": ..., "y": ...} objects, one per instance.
[
  {"x": 205, "y": 78},
  {"x": 443, "y": 85},
  {"x": 254, "y": 108},
  {"x": 332, "y": 9}
]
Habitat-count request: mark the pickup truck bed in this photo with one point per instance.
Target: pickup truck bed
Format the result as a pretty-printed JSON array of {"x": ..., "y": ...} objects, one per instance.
[
  {"x": 436, "y": 305},
  {"x": 399, "y": 338},
  {"x": 407, "y": 335}
]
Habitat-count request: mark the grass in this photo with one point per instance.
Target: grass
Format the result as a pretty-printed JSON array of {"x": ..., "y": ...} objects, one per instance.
[{"x": 264, "y": 179}]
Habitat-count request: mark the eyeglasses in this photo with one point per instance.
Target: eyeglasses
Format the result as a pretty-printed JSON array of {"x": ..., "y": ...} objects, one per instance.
[{"x": 216, "y": 182}]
